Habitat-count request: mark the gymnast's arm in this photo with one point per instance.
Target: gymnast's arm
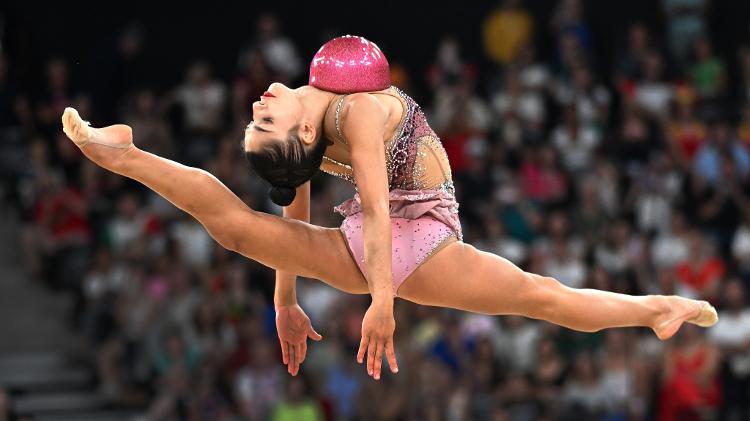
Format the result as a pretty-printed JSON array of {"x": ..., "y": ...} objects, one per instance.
[
  {"x": 363, "y": 126},
  {"x": 285, "y": 293},
  {"x": 292, "y": 324}
]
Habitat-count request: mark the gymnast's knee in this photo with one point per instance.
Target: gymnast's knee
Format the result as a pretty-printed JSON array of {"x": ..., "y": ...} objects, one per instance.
[{"x": 543, "y": 295}]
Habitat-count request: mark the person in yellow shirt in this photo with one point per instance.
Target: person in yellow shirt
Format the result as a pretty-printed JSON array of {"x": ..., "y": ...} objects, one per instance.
[{"x": 506, "y": 30}]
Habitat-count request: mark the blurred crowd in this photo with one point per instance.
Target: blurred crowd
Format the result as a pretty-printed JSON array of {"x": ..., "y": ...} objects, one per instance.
[{"x": 633, "y": 178}]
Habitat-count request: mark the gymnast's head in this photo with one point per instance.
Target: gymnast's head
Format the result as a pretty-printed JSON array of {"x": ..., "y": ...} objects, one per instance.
[{"x": 283, "y": 144}]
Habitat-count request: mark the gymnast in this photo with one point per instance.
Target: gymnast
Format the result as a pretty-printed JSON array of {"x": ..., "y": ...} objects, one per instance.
[{"x": 400, "y": 236}]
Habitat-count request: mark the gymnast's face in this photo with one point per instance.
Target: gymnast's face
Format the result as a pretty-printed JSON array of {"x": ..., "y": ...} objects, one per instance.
[{"x": 277, "y": 112}]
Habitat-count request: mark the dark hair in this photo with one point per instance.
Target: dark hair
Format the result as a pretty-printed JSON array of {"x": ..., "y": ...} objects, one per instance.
[{"x": 287, "y": 165}]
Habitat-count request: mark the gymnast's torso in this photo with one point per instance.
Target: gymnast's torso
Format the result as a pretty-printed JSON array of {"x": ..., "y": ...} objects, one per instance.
[
  {"x": 415, "y": 158},
  {"x": 422, "y": 201}
]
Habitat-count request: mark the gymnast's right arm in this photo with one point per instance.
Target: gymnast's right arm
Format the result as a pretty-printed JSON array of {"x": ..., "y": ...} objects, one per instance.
[{"x": 292, "y": 324}]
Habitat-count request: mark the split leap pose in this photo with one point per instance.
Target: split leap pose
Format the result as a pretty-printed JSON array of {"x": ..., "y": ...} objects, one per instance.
[{"x": 401, "y": 234}]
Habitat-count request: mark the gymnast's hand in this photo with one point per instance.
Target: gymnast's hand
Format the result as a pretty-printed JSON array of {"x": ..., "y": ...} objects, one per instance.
[
  {"x": 294, "y": 328},
  {"x": 378, "y": 326}
]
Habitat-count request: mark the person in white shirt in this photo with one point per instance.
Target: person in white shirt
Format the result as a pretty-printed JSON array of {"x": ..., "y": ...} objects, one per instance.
[{"x": 732, "y": 335}]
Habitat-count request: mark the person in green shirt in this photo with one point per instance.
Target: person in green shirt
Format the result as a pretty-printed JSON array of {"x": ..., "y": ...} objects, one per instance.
[
  {"x": 707, "y": 72},
  {"x": 297, "y": 405}
]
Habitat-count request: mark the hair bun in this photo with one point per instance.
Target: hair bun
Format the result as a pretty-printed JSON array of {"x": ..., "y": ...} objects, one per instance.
[{"x": 282, "y": 196}]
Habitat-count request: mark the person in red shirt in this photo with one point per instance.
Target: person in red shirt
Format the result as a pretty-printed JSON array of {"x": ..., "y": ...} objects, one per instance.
[{"x": 702, "y": 271}]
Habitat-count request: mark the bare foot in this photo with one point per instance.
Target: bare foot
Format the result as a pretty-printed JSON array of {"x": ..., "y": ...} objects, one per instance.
[{"x": 678, "y": 310}]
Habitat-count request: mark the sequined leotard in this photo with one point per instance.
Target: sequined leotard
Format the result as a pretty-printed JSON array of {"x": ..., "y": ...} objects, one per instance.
[{"x": 423, "y": 208}]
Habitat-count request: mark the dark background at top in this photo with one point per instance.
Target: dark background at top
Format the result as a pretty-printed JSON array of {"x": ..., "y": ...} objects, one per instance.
[{"x": 408, "y": 32}]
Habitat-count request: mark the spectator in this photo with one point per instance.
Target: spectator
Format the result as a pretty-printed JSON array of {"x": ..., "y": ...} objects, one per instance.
[
  {"x": 128, "y": 226},
  {"x": 631, "y": 61},
  {"x": 741, "y": 248},
  {"x": 498, "y": 242},
  {"x": 590, "y": 218},
  {"x": 575, "y": 142},
  {"x": 258, "y": 386},
  {"x": 617, "y": 378},
  {"x": 583, "y": 391},
  {"x": 653, "y": 94},
  {"x": 277, "y": 49},
  {"x": 690, "y": 382},
  {"x": 744, "y": 59},
  {"x": 57, "y": 94},
  {"x": 685, "y": 24},
  {"x": 542, "y": 179},
  {"x": 297, "y": 405},
  {"x": 700, "y": 274},
  {"x": 146, "y": 119},
  {"x": 685, "y": 134},
  {"x": 722, "y": 144},
  {"x": 743, "y": 130},
  {"x": 615, "y": 253},
  {"x": 449, "y": 68},
  {"x": 194, "y": 245},
  {"x": 516, "y": 343},
  {"x": 506, "y": 30},
  {"x": 638, "y": 137},
  {"x": 520, "y": 110},
  {"x": 732, "y": 336},
  {"x": 565, "y": 266},
  {"x": 670, "y": 247},
  {"x": 253, "y": 77},
  {"x": 202, "y": 99},
  {"x": 569, "y": 19},
  {"x": 707, "y": 71}
]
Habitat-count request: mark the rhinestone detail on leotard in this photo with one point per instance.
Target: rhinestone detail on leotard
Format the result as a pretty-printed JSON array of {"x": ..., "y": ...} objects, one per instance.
[{"x": 413, "y": 140}]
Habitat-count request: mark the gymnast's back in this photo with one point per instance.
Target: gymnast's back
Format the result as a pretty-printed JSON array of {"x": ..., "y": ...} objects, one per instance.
[{"x": 415, "y": 158}]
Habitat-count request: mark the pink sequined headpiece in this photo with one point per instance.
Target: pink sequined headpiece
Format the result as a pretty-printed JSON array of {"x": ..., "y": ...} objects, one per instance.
[{"x": 350, "y": 64}]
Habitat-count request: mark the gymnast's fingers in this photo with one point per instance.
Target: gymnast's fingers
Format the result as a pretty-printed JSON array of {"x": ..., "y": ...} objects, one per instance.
[
  {"x": 284, "y": 351},
  {"x": 297, "y": 355},
  {"x": 315, "y": 336},
  {"x": 378, "y": 360},
  {"x": 390, "y": 353},
  {"x": 362, "y": 347},
  {"x": 292, "y": 359},
  {"x": 371, "y": 357},
  {"x": 303, "y": 351}
]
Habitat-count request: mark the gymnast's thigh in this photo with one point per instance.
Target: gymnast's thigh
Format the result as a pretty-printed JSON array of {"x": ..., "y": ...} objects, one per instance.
[
  {"x": 298, "y": 247},
  {"x": 461, "y": 277},
  {"x": 341, "y": 272}
]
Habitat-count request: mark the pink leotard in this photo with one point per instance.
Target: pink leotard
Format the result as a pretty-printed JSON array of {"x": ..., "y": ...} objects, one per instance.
[{"x": 423, "y": 207}]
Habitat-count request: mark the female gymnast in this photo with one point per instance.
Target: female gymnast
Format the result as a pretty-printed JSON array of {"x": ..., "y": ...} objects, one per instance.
[{"x": 401, "y": 234}]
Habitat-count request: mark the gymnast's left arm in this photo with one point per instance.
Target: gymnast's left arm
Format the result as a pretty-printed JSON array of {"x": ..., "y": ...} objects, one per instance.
[{"x": 364, "y": 121}]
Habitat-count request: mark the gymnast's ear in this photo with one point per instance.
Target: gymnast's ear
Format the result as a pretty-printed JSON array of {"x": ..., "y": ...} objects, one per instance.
[{"x": 307, "y": 132}]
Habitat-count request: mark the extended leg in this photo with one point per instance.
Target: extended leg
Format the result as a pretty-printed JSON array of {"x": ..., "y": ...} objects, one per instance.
[
  {"x": 464, "y": 278},
  {"x": 279, "y": 243}
]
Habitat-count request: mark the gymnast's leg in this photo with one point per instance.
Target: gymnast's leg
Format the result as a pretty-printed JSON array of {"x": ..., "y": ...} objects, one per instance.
[
  {"x": 462, "y": 277},
  {"x": 276, "y": 242}
]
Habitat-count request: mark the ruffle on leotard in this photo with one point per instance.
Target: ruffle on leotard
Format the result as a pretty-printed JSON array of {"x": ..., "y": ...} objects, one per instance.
[{"x": 412, "y": 204}]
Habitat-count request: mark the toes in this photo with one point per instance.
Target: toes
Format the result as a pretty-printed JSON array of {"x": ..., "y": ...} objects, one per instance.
[
  {"x": 706, "y": 316},
  {"x": 70, "y": 119},
  {"x": 74, "y": 126}
]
